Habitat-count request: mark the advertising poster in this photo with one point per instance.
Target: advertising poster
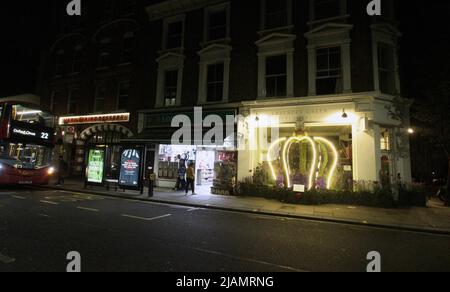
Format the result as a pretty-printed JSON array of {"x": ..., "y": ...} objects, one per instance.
[
  {"x": 130, "y": 168},
  {"x": 96, "y": 163}
]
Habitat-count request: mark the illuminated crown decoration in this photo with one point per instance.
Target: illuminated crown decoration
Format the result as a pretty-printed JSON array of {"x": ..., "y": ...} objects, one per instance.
[{"x": 320, "y": 162}]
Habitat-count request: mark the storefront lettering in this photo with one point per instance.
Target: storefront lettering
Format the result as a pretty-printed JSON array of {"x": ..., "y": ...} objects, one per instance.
[
  {"x": 216, "y": 126},
  {"x": 95, "y": 119}
]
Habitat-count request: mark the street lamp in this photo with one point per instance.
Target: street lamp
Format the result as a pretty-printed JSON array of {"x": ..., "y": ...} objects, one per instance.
[{"x": 411, "y": 131}]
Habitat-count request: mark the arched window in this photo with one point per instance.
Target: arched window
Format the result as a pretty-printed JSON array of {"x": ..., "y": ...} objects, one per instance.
[
  {"x": 76, "y": 59},
  {"x": 127, "y": 48},
  {"x": 59, "y": 63}
]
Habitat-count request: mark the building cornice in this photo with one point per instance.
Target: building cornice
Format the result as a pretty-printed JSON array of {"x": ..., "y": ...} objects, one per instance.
[
  {"x": 218, "y": 106},
  {"x": 319, "y": 100}
]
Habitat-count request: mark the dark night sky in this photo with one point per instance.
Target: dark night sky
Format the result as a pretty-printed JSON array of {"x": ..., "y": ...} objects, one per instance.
[{"x": 26, "y": 29}]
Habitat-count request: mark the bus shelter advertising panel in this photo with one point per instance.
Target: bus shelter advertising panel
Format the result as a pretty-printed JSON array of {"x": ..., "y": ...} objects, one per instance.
[
  {"x": 131, "y": 168},
  {"x": 96, "y": 166}
]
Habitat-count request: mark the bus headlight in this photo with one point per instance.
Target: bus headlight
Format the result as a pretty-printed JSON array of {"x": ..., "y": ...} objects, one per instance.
[{"x": 51, "y": 171}]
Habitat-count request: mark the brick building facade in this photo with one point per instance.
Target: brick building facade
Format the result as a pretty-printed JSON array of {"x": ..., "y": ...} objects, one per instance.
[{"x": 305, "y": 61}]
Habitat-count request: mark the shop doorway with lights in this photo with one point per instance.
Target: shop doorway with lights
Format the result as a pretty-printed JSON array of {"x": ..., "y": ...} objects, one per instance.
[{"x": 215, "y": 167}]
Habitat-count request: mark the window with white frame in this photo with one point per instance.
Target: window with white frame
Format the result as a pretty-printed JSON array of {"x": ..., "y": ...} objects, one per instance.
[
  {"x": 173, "y": 33},
  {"x": 76, "y": 61},
  {"x": 127, "y": 48},
  {"x": 170, "y": 87},
  {"x": 215, "y": 82},
  {"x": 100, "y": 98},
  {"x": 385, "y": 139},
  {"x": 123, "y": 95},
  {"x": 74, "y": 99},
  {"x": 276, "y": 76},
  {"x": 170, "y": 79},
  {"x": 324, "y": 9},
  {"x": 214, "y": 73},
  {"x": 386, "y": 70},
  {"x": 217, "y": 22},
  {"x": 275, "y": 14},
  {"x": 329, "y": 71}
]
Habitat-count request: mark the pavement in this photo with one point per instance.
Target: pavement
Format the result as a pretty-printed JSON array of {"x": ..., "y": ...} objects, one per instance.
[
  {"x": 38, "y": 228},
  {"x": 433, "y": 219}
]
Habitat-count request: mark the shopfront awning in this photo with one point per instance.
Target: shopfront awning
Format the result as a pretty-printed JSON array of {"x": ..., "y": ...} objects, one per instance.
[{"x": 154, "y": 135}]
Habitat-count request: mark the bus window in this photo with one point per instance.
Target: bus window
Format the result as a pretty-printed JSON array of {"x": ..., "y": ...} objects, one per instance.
[
  {"x": 30, "y": 156},
  {"x": 33, "y": 116}
]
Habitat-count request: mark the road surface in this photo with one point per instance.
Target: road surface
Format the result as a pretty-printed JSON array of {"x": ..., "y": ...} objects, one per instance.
[{"x": 38, "y": 228}]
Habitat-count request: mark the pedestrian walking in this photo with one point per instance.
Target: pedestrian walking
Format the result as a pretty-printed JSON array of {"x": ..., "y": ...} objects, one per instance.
[{"x": 190, "y": 176}]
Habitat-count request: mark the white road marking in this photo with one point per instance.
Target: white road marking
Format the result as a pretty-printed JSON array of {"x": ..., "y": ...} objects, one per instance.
[
  {"x": 6, "y": 259},
  {"x": 88, "y": 209},
  {"x": 193, "y": 209},
  {"x": 145, "y": 219},
  {"x": 19, "y": 197},
  {"x": 44, "y": 215},
  {"x": 217, "y": 253},
  {"x": 50, "y": 203}
]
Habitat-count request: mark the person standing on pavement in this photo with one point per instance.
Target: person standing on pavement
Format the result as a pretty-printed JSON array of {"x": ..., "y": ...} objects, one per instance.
[
  {"x": 181, "y": 179},
  {"x": 62, "y": 166},
  {"x": 190, "y": 177}
]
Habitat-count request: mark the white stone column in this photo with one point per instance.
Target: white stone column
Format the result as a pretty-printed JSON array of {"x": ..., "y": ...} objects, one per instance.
[
  {"x": 202, "y": 79},
  {"x": 226, "y": 80},
  {"x": 261, "y": 76},
  {"x": 366, "y": 154},
  {"x": 346, "y": 67},
  {"x": 290, "y": 74},
  {"x": 311, "y": 70},
  {"x": 160, "y": 88}
]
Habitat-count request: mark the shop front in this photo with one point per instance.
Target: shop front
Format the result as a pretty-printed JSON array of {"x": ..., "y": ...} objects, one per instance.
[
  {"x": 92, "y": 136},
  {"x": 215, "y": 163},
  {"x": 341, "y": 143}
]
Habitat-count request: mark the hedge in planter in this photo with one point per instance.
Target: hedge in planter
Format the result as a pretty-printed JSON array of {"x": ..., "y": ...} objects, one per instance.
[{"x": 378, "y": 198}]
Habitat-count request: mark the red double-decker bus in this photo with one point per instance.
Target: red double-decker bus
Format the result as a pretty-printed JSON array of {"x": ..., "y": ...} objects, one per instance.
[{"x": 26, "y": 144}]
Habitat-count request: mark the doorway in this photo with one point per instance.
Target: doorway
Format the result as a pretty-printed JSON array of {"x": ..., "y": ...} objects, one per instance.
[{"x": 206, "y": 158}]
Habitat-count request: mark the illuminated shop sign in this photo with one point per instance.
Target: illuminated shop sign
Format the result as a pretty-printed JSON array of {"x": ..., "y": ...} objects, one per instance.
[{"x": 94, "y": 119}]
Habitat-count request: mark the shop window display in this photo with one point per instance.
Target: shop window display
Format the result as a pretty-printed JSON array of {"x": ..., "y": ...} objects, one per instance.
[
  {"x": 170, "y": 157},
  {"x": 225, "y": 169}
]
